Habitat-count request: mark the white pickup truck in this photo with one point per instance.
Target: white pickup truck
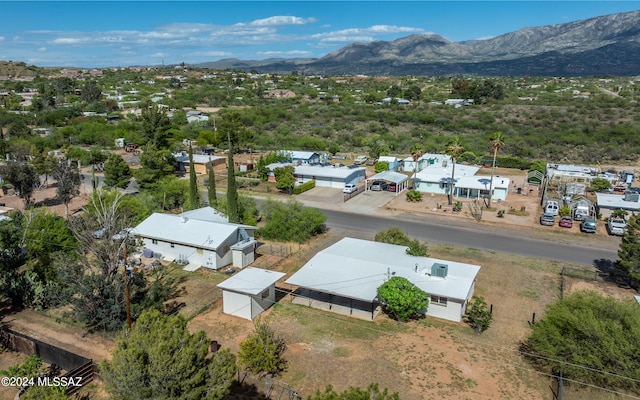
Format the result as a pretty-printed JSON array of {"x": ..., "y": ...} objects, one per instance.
[
  {"x": 617, "y": 226},
  {"x": 360, "y": 160}
]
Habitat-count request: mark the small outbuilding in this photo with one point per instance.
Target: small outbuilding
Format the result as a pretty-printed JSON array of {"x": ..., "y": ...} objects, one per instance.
[{"x": 249, "y": 292}]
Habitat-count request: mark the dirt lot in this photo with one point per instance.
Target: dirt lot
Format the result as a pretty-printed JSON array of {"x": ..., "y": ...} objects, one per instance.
[{"x": 421, "y": 360}]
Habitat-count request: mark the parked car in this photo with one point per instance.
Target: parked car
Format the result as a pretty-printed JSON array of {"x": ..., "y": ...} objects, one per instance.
[
  {"x": 588, "y": 225},
  {"x": 379, "y": 185},
  {"x": 547, "y": 219},
  {"x": 566, "y": 222},
  {"x": 616, "y": 226},
  {"x": 392, "y": 187},
  {"x": 552, "y": 207},
  {"x": 349, "y": 188}
]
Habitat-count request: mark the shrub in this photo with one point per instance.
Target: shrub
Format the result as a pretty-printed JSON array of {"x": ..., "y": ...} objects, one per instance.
[
  {"x": 304, "y": 187},
  {"x": 457, "y": 206},
  {"x": 381, "y": 166},
  {"x": 414, "y": 195}
]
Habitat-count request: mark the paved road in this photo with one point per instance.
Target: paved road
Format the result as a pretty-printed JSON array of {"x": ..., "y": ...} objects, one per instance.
[
  {"x": 481, "y": 237},
  {"x": 439, "y": 229}
]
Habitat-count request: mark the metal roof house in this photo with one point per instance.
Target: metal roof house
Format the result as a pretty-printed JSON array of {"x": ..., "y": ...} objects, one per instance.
[
  {"x": 607, "y": 202},
  {"x": 201, "y": 162},
  {"x": 345, "y": 277},
  {"x": 249, "y": 292},
  {"x": 326, "y": 175},
  {"x": 401, "y": 180},
  {"x": 197, "y": 242},
  {"x": 394, "y": 162},
  {"x": 300, "y": 157}
]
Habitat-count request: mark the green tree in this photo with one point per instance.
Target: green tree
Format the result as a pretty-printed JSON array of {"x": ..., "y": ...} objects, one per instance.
[
  {"x": 263, "y": 161},
  {"x": 116, "y": 172},
  {"x": 600, "y": 184},
  {"x": 247, "y": 209},
  {"x": 194, "y": 195},
  {"x": 454, "y": 149},
  {"x": 589, "y": 338},
  {"x": 160, "y": 359},
  {"x": 155, "y": 124},
  {"x": 291, "y": 221},
  {"x": 496, "y": 142},
  {"x": 372, "y": 392},
  {"x": 213, "y": 196},
  {"x": 12, "y": 257},
  {"x": 381, "y": 166},
  {"x": 22, "y": 176},
  {"x": 232, "y": 192},
  {"x": 262, "y": 352},
  {"x": 402, "y": 300},
  {"x": 478, "y": 315},
  {"x": 394, "y": 235},
  {"x": 91, "y": 92},
  {"x": 44, "y": 163},
  {"x": 377, "y": 146},
  {"x": 629, "y": 252},
  {"x": 285, "y": 179},
  {"x": 154, "y": 164},
  {"x": 68, "y": 178}
]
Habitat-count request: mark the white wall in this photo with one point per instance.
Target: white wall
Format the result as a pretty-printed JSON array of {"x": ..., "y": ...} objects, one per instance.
[
  {"x": 204, "y": 257},
  {"x": 236, "y": 304},
  {"x": 452, "y": 311}
]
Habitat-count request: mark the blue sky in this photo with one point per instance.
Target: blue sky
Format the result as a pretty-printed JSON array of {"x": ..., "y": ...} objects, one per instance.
[{"x": 122, "y": 33}]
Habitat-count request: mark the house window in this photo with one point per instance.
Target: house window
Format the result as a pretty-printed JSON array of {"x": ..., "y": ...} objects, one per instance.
[
  {"x": 199, "y": 251},
  {"x": 154, "y": 241},
  {"x": 441, "y": 301},
  {"x": 264, "y": 294}
]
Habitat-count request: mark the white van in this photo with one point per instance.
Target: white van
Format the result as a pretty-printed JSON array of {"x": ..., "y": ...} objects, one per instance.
[
  {"x": 349, "y": 188},
  {"x": 552, "y": 207}
]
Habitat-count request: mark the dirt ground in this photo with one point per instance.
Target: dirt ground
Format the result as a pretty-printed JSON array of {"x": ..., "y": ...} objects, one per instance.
[{"x": 424, "y": 360}]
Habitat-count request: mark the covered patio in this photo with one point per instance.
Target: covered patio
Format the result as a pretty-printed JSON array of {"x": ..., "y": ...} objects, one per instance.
[{"x": 400, "y": 180}]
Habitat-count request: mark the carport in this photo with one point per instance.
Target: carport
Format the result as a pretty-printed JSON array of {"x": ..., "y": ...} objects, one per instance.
[{"x": 401, "y": 180}]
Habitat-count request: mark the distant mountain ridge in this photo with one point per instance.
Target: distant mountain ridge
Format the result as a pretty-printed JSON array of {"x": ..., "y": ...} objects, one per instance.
[{"x": 605, "y": 45}]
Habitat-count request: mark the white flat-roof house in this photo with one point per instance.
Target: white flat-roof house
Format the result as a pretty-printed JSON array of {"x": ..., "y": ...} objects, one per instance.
[
  {"x": 326, "y": 175},
  {"x": 249, "y": 292},
  {"x": 609, "y": 202},
  {"x": 197, "y": 242},
  {"x": 434, "y": 176},
  {"x": 345, "y": 277}
]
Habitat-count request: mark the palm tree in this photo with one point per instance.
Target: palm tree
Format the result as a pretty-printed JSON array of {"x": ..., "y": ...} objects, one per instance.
[
  {"x": 416, "y": 152},
  {"x": 496, "y": 141},
  {"x": 454, "y": 149}
]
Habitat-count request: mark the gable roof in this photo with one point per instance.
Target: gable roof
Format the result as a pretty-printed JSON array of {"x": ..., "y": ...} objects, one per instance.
[
  {"x": 355, "y": 268},
  {"x": 251, "y": 280},
  {"x": 187, "y": 231}
]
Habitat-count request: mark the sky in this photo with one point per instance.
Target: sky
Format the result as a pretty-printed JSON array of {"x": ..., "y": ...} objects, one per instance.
[{"x": 97, "y": 34}]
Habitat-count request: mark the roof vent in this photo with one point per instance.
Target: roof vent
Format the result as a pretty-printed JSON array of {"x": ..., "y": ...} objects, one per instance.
[
  {"x": 439, "y": 270},
  {"x": 184, "y": 219}
]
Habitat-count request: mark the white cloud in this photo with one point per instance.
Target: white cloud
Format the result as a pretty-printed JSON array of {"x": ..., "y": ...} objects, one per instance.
[
  {"x": 294, "y": 53},
  {"x": 212, "y": 54},
  {"x": 1, "y": 38},
  {"x": 367, "y": 34},
  {"x": 282, "y": 20},
  {"x": 42, "y": 49}
]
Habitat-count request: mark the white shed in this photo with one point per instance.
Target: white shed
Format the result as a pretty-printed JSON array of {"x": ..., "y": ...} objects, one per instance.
[{"x": 249, "y": 292}]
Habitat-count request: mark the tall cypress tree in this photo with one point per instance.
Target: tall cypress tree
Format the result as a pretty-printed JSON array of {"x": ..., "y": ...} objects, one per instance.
[
  {"x": 213, "y": 198},
  {"x": 232, "y": 191},
  {"x": 194, "y": 198}
]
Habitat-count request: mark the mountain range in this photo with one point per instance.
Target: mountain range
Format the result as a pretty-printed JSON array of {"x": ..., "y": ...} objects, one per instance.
[{"x": 605, "y": 45}]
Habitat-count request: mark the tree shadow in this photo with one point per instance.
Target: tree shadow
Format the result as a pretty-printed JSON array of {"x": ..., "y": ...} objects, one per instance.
[
  {"x": 608, "y": 271},
  {"x": 241, "y": 390}
]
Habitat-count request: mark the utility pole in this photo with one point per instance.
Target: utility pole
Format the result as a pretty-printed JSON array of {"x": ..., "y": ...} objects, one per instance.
[{"x": 126, "y": 284}]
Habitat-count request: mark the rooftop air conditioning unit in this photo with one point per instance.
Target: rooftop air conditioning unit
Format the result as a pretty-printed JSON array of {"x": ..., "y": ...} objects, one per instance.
[{"x": 439, "y": 270}]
